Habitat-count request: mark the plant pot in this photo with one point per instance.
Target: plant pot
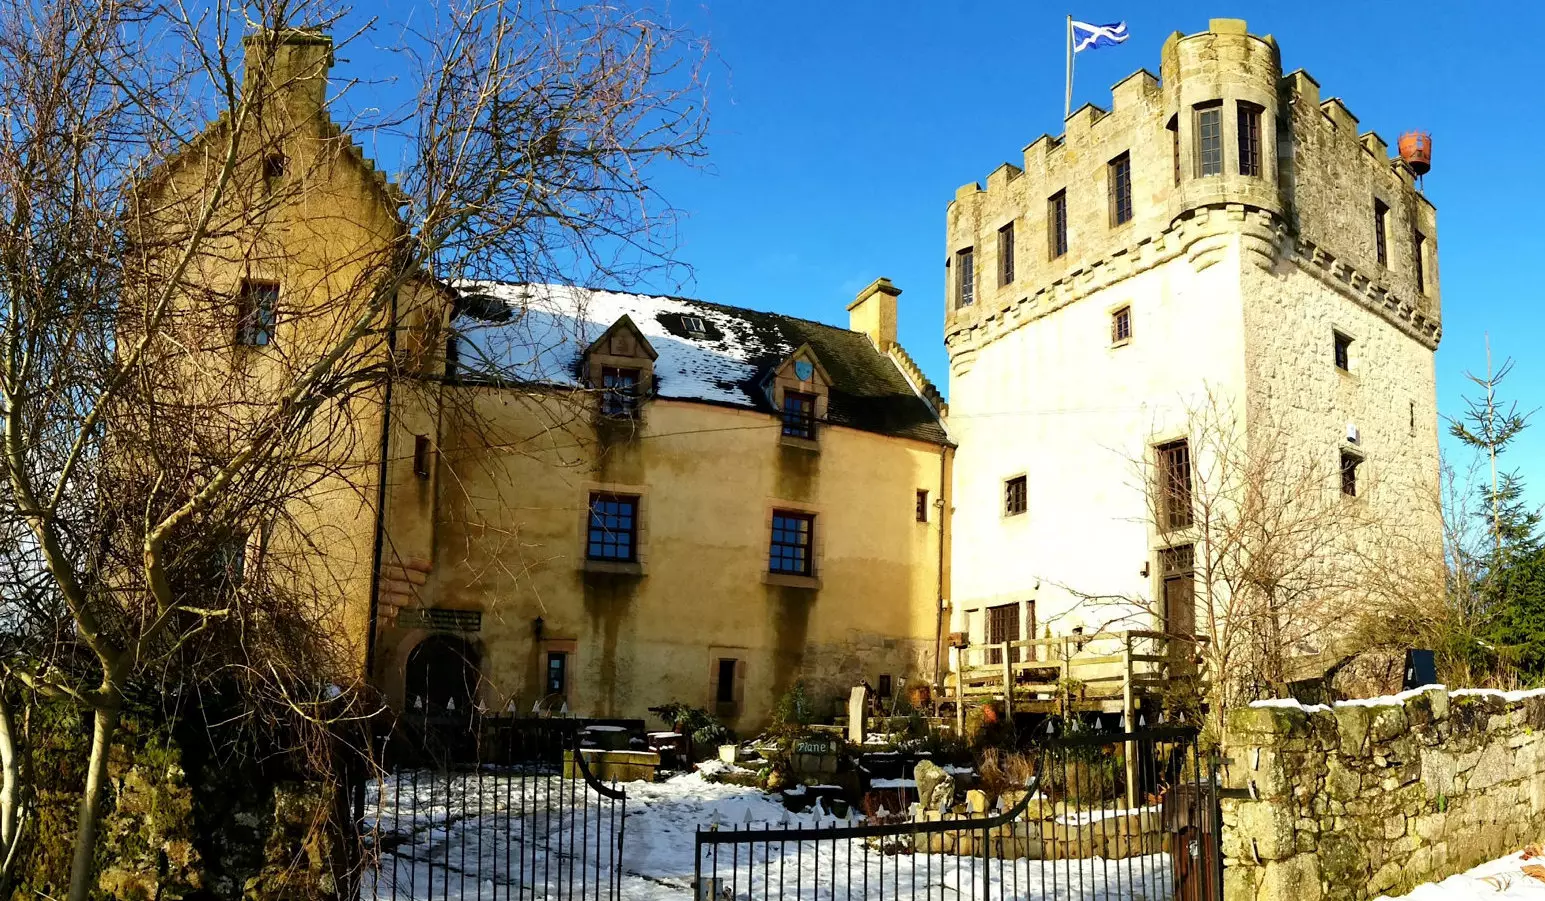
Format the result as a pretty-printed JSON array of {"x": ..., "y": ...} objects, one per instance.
[{"x": 729, "y": 753}]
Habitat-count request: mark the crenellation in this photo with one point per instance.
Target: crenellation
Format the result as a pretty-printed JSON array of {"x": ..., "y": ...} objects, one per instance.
[
  {"x": 1375, "y": 146},
  {"x": 1340, "y": 117}
]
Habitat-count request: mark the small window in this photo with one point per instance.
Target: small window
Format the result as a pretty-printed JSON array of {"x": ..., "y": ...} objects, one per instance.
[
  {"x": 922, "y": 505},
  {"x": 1413, "y": 417},
  {"x": 1380, "y": 226},
  {"x": 965, "y": 277},
  {"x": 1016, "y": 499},
  {"x": 1121, "y": 326},
  {"x": 1057, "y": 224},
  {"x": 274, "y": 167},
  {"x": 1419, "y": 260},
  {"x": 1174, "y": 143},
  {"x": 1249, "y": 139},
  {"x": 613, "y": 533},
  {"x": 421, "y": 456},
  {"x": 887, "y": 687},
  {"x": 557, "y": 673},
  {"x": 694, "y": 325},
  {"x": 799, "y": 415},
  {"x": 619, "y": 392},
  {"x": 1006, "y": 255},
  {"x": 1343, "y": 350},
  {"x": 1209, "y": 139},
  {"x": 725, "y": 694},
  {"x": 1174, "y": 485},
  {"x": 792, "y": 541},
  {"x": 1119, "y": 177},
  {"x": 257, "y": 305},
  {"x": 1349, "y": 464}
]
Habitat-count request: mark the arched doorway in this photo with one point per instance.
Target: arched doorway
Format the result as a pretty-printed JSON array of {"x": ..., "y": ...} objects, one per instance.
[{"x": 442, "y": 676}]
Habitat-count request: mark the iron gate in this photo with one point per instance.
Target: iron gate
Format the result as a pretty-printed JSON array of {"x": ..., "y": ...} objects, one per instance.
[
  {"x": 1105, "y": 815},
  {"x": 509, "y": 809}
]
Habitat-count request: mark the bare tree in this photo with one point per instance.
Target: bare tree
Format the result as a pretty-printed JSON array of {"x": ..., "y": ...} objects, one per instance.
[
  {"x": 1275, "y": 564},
  {"x": 168, "y": 463}
]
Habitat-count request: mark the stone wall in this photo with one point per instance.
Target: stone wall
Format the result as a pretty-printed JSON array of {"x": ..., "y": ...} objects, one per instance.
[{"x": 1375, "y": 797}]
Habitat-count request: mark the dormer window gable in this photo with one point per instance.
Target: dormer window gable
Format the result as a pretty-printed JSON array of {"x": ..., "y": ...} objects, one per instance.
[
  {"x": 619, "y": 367},
  {"x": 799, "y": 389}
]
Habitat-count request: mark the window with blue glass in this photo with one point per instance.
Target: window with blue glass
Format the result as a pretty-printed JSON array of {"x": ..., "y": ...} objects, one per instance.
[
  {"x": 798, "y": 414},
  {"x": 792, "y": 538},
  {"x": 613, "y": 528}
]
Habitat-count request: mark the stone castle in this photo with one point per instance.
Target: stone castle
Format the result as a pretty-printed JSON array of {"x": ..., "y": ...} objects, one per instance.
[
  {"x": 1221, "y": 241},
  {"x": 740, "y": 500}
]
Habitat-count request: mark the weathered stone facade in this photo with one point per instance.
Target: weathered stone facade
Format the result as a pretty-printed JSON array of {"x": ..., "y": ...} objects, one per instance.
[
  {"x": 1235, "y": 281},
  {"x": 1373, "y": 798}
]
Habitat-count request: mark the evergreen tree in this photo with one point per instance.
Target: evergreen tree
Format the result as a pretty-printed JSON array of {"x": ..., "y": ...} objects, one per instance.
[{"x": 1511, "y": 587}]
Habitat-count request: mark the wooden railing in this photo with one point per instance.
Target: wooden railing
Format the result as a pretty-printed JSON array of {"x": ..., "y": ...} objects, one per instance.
[{"x": 1106, "y": 671}]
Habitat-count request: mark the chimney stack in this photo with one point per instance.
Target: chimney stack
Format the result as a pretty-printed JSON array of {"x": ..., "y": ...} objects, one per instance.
[
  {"x": 291, "y": 63},
  {"x": 874, "y": 313}
]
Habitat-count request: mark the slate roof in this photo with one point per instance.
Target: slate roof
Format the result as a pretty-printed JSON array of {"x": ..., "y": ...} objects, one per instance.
[{"x": 538, "y": 333}]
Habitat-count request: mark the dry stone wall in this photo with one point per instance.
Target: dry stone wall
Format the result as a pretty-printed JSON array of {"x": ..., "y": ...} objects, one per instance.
[{"x": 1374, "y": 797}]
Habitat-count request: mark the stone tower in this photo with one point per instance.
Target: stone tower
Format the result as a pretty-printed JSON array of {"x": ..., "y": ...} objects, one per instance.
[{"x": 1220, "y": 242}]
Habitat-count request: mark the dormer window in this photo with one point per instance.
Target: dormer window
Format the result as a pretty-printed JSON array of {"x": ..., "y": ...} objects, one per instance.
[
  {"x": 799, "y": 415},
  {"x": 619, "y": 365},
  {"x": 694, "y": 326},
  {"x": 619, "y": 387}
]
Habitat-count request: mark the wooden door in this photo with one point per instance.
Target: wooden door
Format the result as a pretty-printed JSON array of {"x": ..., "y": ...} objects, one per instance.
[{"x": 1002, "y": 625}]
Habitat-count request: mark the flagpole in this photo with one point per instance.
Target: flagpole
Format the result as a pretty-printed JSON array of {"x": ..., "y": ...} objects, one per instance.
[{"x": 1067, "y": 103}]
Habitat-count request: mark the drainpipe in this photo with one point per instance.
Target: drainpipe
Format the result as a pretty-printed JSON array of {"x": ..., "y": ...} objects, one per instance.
[
  {"x": 380, "y": 528},
  {"x": 938, "y": 629}
]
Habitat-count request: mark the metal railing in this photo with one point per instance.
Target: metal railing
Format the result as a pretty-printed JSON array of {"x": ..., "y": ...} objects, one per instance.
[
  {"x": 512, "y": 823},
  {"x": 1069, "y": 833}
]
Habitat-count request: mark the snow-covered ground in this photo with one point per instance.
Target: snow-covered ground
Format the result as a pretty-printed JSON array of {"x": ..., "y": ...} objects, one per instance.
[
  {"x": 495, "y": 835},
  {"x": 1498, "y": 880}
]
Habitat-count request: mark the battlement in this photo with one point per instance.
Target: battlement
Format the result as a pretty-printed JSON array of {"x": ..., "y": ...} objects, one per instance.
[{"x": 1220, "y": 127}]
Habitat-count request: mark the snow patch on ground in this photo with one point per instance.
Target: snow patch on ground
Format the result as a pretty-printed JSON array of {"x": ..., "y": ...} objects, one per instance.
[
  {"x": 463, "y": 837},
  {"x": 1502, "y": 879}
]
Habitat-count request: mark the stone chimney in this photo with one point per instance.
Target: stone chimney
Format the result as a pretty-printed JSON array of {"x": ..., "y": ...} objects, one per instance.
[
  {"x": 292, "y": 63},
  {"x": 874, "y": 312}
]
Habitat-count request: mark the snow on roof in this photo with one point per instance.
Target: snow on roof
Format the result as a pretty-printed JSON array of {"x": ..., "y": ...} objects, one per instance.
[
  {"x": 552, "y": 325},
  {"x": 706, "y": 352}
]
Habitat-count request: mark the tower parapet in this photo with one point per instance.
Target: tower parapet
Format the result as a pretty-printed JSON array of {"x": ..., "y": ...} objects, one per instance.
[{"x": 1222, "y": 142}]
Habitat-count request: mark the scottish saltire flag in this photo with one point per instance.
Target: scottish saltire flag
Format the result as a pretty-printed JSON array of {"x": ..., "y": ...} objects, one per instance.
[{"x": 1090, "y": 37}]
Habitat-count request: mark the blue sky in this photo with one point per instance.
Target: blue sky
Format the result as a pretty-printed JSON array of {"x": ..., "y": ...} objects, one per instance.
[{"x": 841, "y": 130}]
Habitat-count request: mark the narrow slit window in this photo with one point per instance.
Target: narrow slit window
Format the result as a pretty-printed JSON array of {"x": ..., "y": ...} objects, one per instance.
[
  {"x": 1209, "y": 139},
  {"x": 1006, "y": 255},
  {"x": 1380, "y": 229},
  {"x": 922, "y": 505},
  {"x": 1057, "y": 224},
  {"x": 421, "y": 456},
  {"x": 1249, "y": 139},
  {"x": 1174, "y": 143},
  {"x": 1349, "y": 464},
  {"x": 1119, "y": 175},
  {"x": 1343, "y": 352},
  {"x": 965, "y": 277},
  {"x": 1419, "y": 260}
]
